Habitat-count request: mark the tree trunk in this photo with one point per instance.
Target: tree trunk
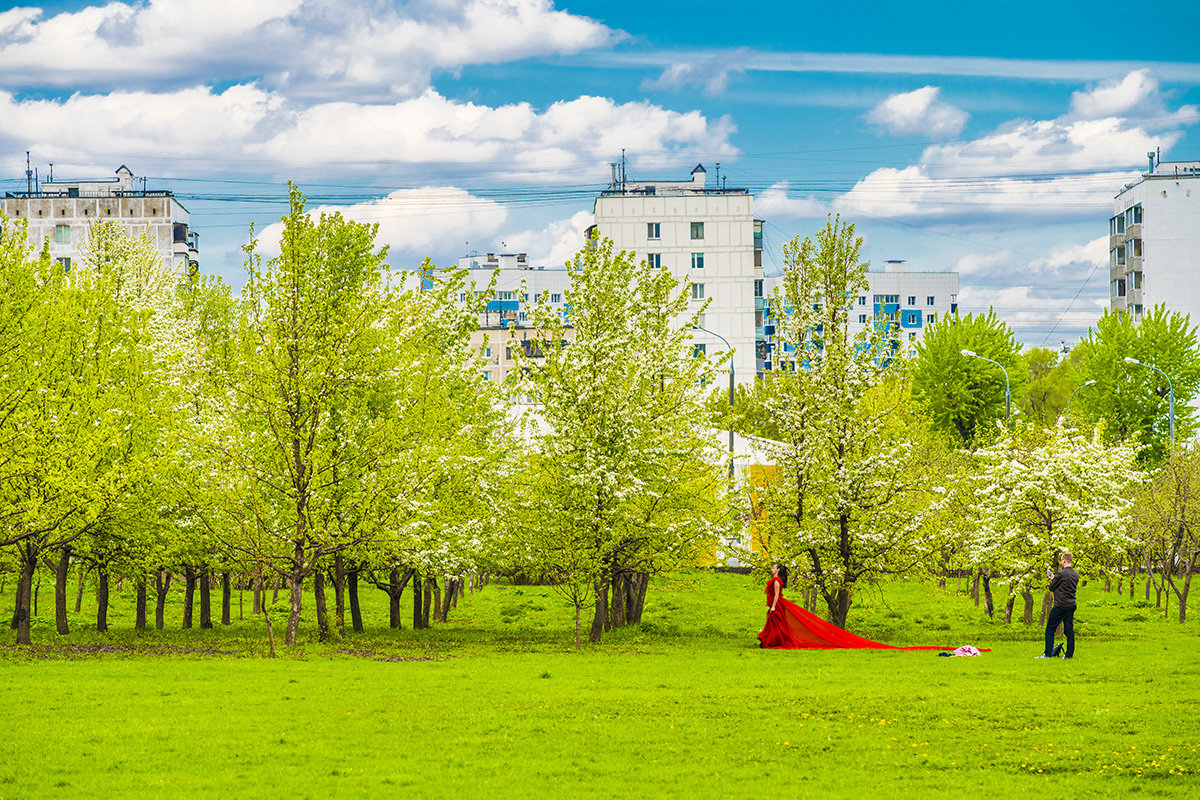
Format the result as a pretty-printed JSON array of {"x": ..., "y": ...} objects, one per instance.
[
  {"x": 296, "y": 596},
  {"x": 101, "y": 599},
  {"x": 975, "y": 587},
  {"x": 205, "y": 581},
  {"x": 628, "y": 598},
  {"x": 319, "y": 600},
  {"x": 339, "y": 593},
  {"x": 430, "y": 593},
  {"x": 355, "y": 611},
  {"x": 24, "y": 587},
  {"x": 189, "y": 594},
  {"x": 839, "y": 603},
  {"x": 451, "y": 594},
  {"x": 61, "y": 572},
  {"x": 1027, "y": 598},
  {"x": 79, "y": 590},
  {"x": 37, "y": 590},
  {"x": 226, "y": 599},
  {"x": 600, "y": 617},
  {"x": 1187, "y": 585},
  {"x": 139, "y": 622},
  {"x": 417, "y": 593},
  {"x": 988, "y": 605},
  {"x": 1008, "y": 608},
  {"x": 258, "y": 595},
  {"x": 162, "y": 584},
  {"x": 1047, "y": 604},
  {"x": 437, "y": 599}
]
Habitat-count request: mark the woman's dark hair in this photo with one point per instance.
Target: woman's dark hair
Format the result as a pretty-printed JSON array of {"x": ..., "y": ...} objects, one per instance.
[{"x": 782, "y": 573}]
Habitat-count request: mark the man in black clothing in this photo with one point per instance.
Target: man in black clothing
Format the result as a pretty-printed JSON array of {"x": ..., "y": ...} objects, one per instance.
[{"x": 1063, "y": 584}]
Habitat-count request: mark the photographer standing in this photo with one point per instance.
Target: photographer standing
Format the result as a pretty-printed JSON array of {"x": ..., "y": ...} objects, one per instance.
[{"x": 1063, "y": 584}]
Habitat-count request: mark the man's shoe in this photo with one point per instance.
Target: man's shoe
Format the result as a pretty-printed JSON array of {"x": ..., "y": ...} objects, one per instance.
[{"x": 1043, "y": 655}]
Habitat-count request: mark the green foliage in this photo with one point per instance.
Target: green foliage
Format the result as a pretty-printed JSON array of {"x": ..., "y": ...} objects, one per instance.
[
  {"x": 1049, "y": 383},
  {"x": 963, "y": 396},
  {"x": 622, "y": 475},
  {"x": 1133, "y": 400},
  {"x": 843, "y": 503}
]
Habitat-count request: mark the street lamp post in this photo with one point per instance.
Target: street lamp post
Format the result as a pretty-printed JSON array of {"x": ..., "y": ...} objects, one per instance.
[
  {"x": 1170, "y": 394},
  {"x": 1072, "y": 397},
  {"x": 1007, "y": 393},
  {"x": 729, "y": 347}
]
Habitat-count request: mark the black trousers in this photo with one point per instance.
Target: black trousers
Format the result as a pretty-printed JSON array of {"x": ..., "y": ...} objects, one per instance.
[{"x": 1065, "y": 615}]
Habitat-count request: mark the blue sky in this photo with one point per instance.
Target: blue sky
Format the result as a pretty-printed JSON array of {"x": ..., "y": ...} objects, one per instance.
[{"x": 983, "y": 137}]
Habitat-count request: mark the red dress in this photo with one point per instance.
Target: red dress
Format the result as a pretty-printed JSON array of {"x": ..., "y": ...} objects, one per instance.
[{"x": 791, "y": 627}]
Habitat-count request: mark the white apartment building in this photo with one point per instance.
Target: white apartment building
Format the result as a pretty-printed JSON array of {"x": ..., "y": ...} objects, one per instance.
[
  {"x": 503, "y": 325},
  {"x": 904, "y": 300},
  {"x": 1154, "y": 241},
  {"x": 707, "y": 235},
  {"x": 61, "y": 213}
]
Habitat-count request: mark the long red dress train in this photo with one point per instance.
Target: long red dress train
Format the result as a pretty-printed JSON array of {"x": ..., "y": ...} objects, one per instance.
[{"x": 791, "y": 627}]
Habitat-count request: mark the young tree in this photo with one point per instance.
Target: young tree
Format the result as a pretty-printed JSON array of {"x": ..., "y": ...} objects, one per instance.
[
  {"x": 623, "y": 480},
  {"x": 845, "y": 500},
  {"x": 963, "y": 396},
  {"x": 1166, "y": 524},
  {"x": 1131, "y": 400},
  {"x": 1037, "y": 493}
]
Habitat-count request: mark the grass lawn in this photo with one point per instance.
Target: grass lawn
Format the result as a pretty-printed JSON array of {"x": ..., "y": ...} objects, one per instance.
[{"x": 496, "y": 703}]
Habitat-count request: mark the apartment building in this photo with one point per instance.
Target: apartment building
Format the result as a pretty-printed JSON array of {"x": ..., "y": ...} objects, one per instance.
[
  {"x": 705, "y": 233},
  {"x": 61, "y": 213},
  {"x": 1153, "y": 241},
  {"x": 905, "y": 301},
  {"x": 503, "y": 323}
]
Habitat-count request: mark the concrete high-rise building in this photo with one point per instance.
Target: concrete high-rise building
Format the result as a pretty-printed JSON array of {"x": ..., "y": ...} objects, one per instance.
[
  {"x": 1154, "y": 241},
  {"x": 707, "y": 234},
  {"x": 503, "y": 325},
  {"x": 904, "y": 300},
  {"x": 61, "y": 214}
]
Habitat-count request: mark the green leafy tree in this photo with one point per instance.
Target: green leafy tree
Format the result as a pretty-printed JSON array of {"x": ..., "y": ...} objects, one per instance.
[
  {"x": 622, "y": 481},
  {"x": 1035, "y": 493},
  {"x": 846, "y": 498},
  {"x": 1165, "y": 519},
  {"x": 963, "y": 396},
  {"x": 1049, "y": 382},
  {"x": 1132, "y": 400}
]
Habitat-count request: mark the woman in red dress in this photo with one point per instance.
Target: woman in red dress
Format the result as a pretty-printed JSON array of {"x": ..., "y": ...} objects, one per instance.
[{"x": 791, "y": 627}]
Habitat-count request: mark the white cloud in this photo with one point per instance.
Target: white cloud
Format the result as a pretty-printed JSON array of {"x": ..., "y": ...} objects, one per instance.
[
  {"x": 413, "y": 223},
  {"x": 918, "y": 112},
  {"x": 712, "y": 74},
  {"x": 1070, "y": 165},
  {"x": 309, "y": 47},
  {"x": 569, "y": 140},
  {"x": 776, "y": 203}
]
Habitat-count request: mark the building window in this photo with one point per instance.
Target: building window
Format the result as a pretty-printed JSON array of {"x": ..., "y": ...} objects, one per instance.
[
  {"x": 66, "y": 263},
  {"x": 62, "y": 234},
  {"x": 555, "y": 297},
  {"x": 487, "y": 375},
  {"x": 912, "y": 300},
  {"x": 697, "y": 291},
  {"x": 699, "y": 320},
  {"x": 931, "y": 300},
  {"x": 653, "y": 230},
  {"x": 862, "y": 318},
  {"x": 887, "y": 299},
  {"x": 699, "y": 350},
  {"x": 1137, "y": 280},
  {"x": 758, "y": 288},
  {"x": 654, "y": 260},
  {"x": 862, "y": 299},
  {"x": 487, "y": 352},
  {"x": 1135, "y": 248},
  {"x": 697, "y": 260},
  {"x": 508, "y": 353},
  {"x": 521, "y": 317},
  {"x": 1120, "y": 287},
  {"x": 697, "y": 230},
  {"x": 931, "y": 318}
]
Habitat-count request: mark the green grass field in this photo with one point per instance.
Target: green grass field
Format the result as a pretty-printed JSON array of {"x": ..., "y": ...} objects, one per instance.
[{"x": 496, "y": 703}]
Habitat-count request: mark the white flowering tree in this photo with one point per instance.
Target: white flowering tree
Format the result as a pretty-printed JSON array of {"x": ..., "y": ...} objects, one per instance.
[
  {"x": 622, "y": 481},
  {"x": 1037, "y": 493},
  {"x": 846, "y": 500}
]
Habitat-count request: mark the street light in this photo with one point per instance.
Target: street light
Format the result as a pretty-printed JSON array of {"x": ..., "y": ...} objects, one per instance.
[
  {"x": 1072, "y": 397},
  {"x": 1007, "y": 393},
  {"x": 1170, "y": 392},
  {"x": 729, "y": 347}
]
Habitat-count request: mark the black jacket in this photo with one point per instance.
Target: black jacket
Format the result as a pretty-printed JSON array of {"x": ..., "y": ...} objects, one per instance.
[{"x": 1063, "y": 585}]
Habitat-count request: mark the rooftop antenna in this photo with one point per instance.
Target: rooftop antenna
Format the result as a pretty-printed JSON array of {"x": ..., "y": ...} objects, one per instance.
[
  {"x": 613, "y": 182},
  {"x": 28, "y": 174},
  {"x": 718, "y": 176},
  {"x": 622, "y": 169},
  {"x": 51, "y": 172}
]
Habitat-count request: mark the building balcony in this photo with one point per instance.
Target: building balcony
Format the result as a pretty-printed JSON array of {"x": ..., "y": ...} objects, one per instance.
[
  {"x": 1116, "y": 240},
  {"x": 1133, "y": 231}
]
